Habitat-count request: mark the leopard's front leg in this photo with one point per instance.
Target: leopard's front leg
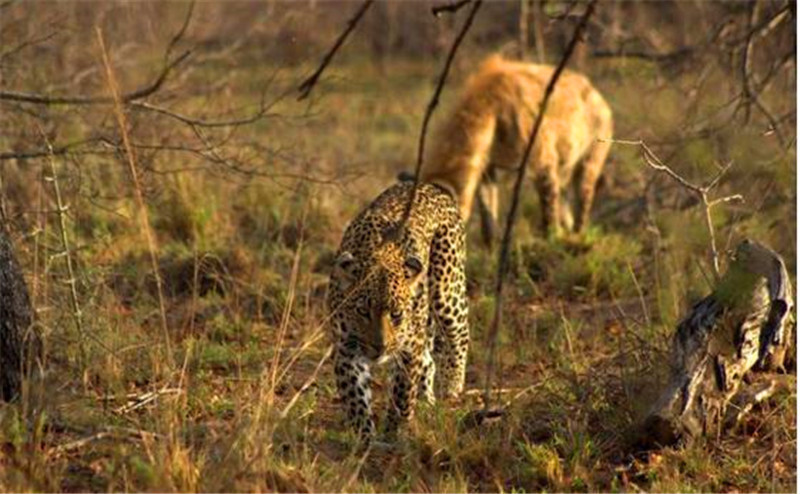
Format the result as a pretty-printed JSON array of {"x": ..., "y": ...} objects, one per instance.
[
  {"x": 426, "y": 381},
  {"x": 406, "y": 373},
  {"x": 353, "y": 381}
]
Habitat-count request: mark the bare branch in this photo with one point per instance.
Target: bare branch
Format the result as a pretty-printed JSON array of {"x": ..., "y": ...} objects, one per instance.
[
  {"x": 766, "y": 26},
  {"x": 655, "y": 163},
  {"x": 151, "y": 88},
  {"x": 505, "y": 246},
  {"x": 178, "y": 35},
  {"x": 747, "y": 57},
  {"x": 119, "y": 433},
  {"x": 750, "y": 96},
  {"x": 714, "y": 181},
  {"x": 94, "y": 100},
  {"x": 26, "y": 43},
  {"x": 70, "y": 148},
  {"x": 66, "y": 251},
  {"x": 760, "y": 29},
  {"x": 566, "y": 13},
  {"x": 263, "y": 112},
  {"x": 451, "y": 7},
  {"x": 726, "y": 199},
  {"x": 306, "y": 86},
  {"x": 434, "y": 102}
]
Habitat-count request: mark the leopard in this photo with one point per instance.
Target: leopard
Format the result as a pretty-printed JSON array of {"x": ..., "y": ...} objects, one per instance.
[
  {"x": 397, "y": 295},
  {"x": 487, "y": 131}
]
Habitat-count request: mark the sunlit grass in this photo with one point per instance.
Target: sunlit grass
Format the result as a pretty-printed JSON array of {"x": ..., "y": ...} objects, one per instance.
[{"x": 586, "y": 321}]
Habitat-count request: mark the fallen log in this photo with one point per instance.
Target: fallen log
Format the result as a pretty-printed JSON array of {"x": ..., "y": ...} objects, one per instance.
[{"x": 727, "y": 352}]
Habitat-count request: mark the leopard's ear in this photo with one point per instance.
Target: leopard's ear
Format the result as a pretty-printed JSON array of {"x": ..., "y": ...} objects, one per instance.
[
  {"x": 344, "y": 268},
  {"x": 413, "y": 266}
]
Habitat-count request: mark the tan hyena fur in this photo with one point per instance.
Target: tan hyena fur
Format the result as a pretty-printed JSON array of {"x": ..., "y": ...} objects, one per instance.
[{"x": 489, "y": 128}]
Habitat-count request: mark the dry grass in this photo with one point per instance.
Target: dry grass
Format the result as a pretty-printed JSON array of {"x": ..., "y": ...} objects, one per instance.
[{"x": 243, "y": 257}]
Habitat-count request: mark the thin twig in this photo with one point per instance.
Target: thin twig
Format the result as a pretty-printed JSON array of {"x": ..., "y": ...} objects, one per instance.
[
  {"x": 31, "y": 41},
  {"x": 306, "y": 86},
  {"x": 701, "y": 191},
  {"x": 70, "y": 148},
  {"x": 76, "y": 444},
  {"x": 434, "y": 102},
  {"x": 747, "y": 58},
  {"x": 151, "y": 88},
  {"x": 451, "y": 7},
  {"x": 41, "y": 99},
  {"x": 138, "y": 401},
  {"x": 750, "y": 97},
  {"x": 179, "y": 34},
  {"x": 726, "y": 199},
  {"x": 166, "y": 69},
  {"x": 61, "y": 210},
  {"x": 497, "y": 391},
  {"x": 640, "y": 292},
  {"x": 109, "y": 431},
  {"x": 309, "y": 382},
  {"x": 263, "y": 112},
  {"x": 505, "y": 247}
]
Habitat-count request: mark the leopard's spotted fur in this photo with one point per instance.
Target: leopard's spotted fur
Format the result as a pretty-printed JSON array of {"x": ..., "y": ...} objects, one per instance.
[{"x": 400, "y": 297}]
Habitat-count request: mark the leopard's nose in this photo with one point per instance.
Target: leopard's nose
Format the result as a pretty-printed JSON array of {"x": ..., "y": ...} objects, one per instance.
[
  {"x": 374, "y": 350},
  {"x": 387, "y": 330},
  {"x": 381, "y": 337}
]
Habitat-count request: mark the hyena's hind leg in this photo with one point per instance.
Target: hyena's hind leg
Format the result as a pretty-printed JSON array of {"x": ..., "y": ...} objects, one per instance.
[
  {"x": 548, "y": 186},
  {"x": 489, "y": 205},
  {"x": 586, "y": 184},
  {"x": 567, "y": 220}
]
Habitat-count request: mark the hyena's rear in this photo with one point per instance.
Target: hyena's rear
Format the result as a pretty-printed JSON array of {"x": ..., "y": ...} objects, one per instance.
[{"x": 489, "y": 128}]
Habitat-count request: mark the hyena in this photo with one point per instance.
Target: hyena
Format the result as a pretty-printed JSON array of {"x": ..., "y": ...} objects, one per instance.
[{"x": 489, "y": 128}]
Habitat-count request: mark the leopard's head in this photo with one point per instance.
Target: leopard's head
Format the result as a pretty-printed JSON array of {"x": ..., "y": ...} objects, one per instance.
[{"x": 378, "y": 297}]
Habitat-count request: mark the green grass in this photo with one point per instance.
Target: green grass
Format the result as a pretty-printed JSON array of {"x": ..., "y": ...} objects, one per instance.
[{"x": 238, "y": 314}]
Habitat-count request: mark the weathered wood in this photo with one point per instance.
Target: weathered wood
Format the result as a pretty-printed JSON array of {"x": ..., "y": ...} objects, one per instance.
[{"x": 744, "y": 326}]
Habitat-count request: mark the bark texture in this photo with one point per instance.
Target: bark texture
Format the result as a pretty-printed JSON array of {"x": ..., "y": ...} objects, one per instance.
[{"x": 16, "y": 336}]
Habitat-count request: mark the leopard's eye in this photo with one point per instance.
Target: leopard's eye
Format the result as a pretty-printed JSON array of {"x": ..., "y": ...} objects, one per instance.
[
  {"x": 397, "y": 317},
  {"x": 362, "y": 309}
]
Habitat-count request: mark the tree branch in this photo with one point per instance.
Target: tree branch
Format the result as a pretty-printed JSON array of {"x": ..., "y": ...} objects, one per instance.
[
  {"x": 701, "y": 191},
  {"x": 434, "y": 102},
  {"x": 505, "y": 247},
  {"x": 41, "y": 99},
  {"x": 262, "y": 112},
  {"x": 306, "y": 86},
  {"x": 168, "y": 66},
  {"x": 451, "y": 7},
  {"x": 65, "y": 149}
]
